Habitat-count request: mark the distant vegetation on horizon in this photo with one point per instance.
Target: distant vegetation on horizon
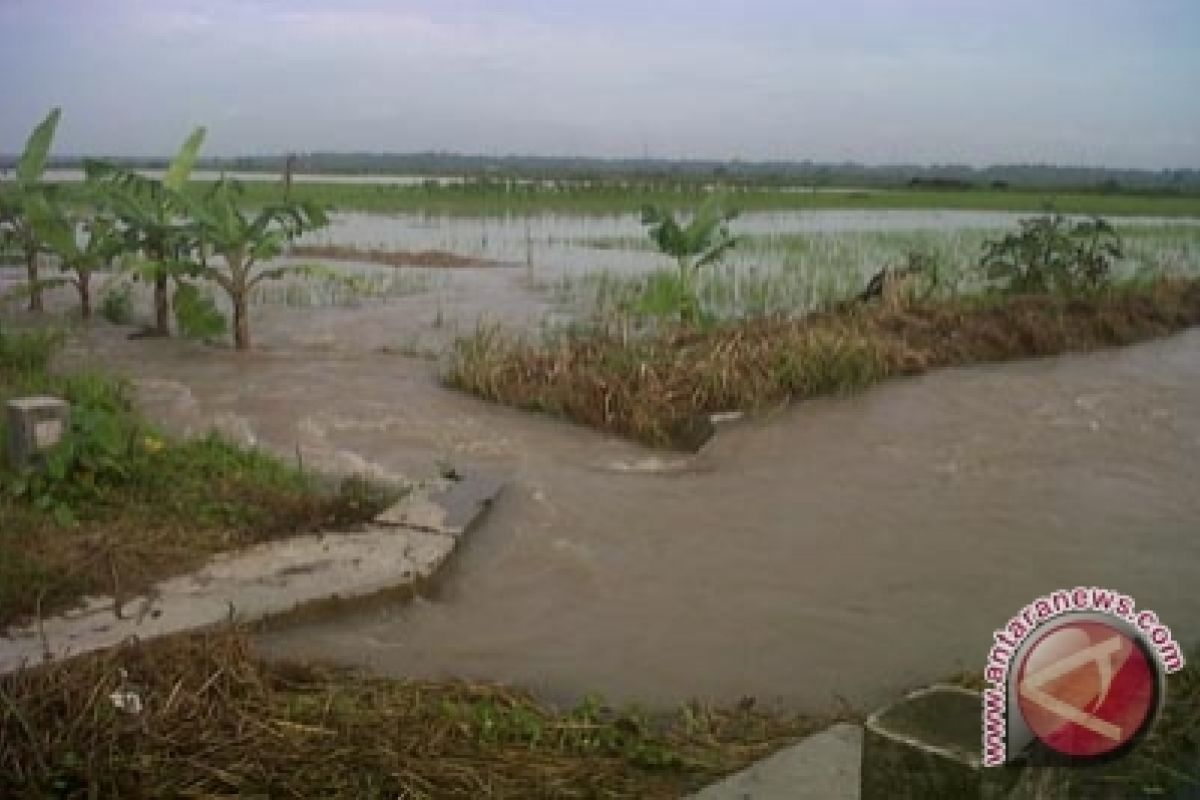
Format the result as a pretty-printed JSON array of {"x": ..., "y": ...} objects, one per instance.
[{"x": 807, "y": 173}]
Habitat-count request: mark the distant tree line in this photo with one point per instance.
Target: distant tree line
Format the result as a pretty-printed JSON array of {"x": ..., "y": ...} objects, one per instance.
[{"x": 804, "y": 173}]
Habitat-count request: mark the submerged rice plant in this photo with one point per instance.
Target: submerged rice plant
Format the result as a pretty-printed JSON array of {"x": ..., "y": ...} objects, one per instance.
[
  {"x": 793, "y": 274},
  {"x": 330, "y": 289}
]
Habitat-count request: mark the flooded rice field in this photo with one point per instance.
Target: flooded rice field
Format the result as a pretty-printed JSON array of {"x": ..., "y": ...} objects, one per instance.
[{"x": 848, "y": 547}]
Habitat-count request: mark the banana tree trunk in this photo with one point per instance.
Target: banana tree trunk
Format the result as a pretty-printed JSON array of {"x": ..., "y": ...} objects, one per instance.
[
  {"x": 241, "y": 319},
  {"x": 84, "y": 285},
  {"x": 31, "y": 269},
  {"x": 162, "y": 306}
]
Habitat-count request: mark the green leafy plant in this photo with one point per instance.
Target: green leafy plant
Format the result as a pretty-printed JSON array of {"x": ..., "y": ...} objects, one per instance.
[
  {"x": 26, "y": 352},
  {"x": 116, "y": 305},
  {"x": 95, "y": 454},
  {"x": 1053, "y": 254},
  {"x": 16, "y": 225},
  {"x": 245, "y": 241},
  {"x": 196, "y": 312},
  {"x": 703, "y": 240},
  {"x": 152, "y": 214},
  {"x": 82, "y": 244}
]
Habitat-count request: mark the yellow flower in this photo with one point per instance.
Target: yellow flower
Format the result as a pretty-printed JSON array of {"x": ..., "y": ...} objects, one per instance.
[{"x": 151, "y": 444}]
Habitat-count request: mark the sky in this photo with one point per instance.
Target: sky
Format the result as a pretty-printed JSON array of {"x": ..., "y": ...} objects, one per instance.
[{"x": 1081, "y": 82}]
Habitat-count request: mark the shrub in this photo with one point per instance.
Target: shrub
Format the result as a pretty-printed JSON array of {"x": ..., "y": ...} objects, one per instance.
[
  {"x": 26, "y": 352},
  {"x": 117, "y": 305},
  {"x": 196, "y": 313},
  {"x": 1052, "y": 254}
]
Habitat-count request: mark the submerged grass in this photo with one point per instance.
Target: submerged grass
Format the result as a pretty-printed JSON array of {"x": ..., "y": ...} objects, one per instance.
[
  {"x": 439, "y": 259},
  {"x": 217, "y": 722},
  {"x": 142, "y": 507},
  {"x": 660, "y": 389}
]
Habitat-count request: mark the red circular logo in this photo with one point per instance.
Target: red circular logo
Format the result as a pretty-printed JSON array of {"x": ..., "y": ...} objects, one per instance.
[{"x": 1087, "y": 688}]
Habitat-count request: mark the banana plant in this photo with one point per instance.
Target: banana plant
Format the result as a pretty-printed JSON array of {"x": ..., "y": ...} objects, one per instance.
[
  {"x": 82, "y": 244},
  {"x": 245, "y": 242},
  {"x": 702, "y": 241},
  {"x": 27, "y": 191},
  {"x": 153, "y": 215}
]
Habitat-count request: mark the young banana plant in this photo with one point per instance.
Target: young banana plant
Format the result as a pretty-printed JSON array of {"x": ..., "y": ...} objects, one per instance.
[
  {"x": 153, "y": 215},
  {"x": 27, "y": 191},
  {"x": 703, "y": 240},
  {"x": 245, "y": 242},
  {"x": 83, "y": 245}
]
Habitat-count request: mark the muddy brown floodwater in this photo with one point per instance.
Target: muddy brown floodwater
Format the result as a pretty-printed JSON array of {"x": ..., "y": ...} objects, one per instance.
[{"x": 847, "y": 547}]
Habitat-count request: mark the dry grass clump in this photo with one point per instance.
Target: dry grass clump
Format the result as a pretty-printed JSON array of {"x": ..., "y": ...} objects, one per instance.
[
  {"x": 660, "y": 390},
  {"x": 216, "y": 722},
  {"x": 393, "y": 258}
]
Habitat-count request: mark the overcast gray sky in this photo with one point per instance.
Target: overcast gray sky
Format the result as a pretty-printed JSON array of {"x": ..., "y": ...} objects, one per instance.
[{"x": 1096, "y": 82}]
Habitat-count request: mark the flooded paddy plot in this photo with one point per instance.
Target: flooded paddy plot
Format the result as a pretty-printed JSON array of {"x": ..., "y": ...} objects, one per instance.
[{"x": 848, "y": 547}]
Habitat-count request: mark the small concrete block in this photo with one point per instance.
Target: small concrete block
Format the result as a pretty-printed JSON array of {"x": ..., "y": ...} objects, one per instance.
[
  {"x": 927, "y": 745},
  {"x": 35, "y": 425},
  {"x": 450, "y": 510},
  {"x": 822, "y": 767}
]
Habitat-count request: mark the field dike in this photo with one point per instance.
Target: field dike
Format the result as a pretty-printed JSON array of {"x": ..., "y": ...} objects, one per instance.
[{"x": 663, "y": 389}]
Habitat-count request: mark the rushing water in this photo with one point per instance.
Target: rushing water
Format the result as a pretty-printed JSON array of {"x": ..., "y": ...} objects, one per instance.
[{"x": 846, "y": 547}]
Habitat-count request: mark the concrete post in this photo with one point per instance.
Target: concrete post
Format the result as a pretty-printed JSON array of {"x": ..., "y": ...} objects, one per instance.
[
  {"x": 35, "y": 426},
  {"x": 927, "y": 745}
]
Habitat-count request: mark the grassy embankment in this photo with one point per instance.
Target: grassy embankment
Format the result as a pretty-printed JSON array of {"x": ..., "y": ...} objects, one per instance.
[
  {"x": 487, "y": 198},
  {"x": 121, "y": 506},
  {"x": 659, "y": 389},
  {"x": 216, "y": 722}
]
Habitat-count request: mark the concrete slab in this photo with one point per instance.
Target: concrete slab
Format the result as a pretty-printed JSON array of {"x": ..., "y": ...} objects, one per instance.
[
  {"x": 824, "y": 766},
  {"x": 450, "y": 507},
  {"x": 262, "y": 582}
]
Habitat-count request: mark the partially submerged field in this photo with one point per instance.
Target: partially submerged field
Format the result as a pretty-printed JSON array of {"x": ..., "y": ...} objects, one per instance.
[{"x": 660, "y": 389}]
